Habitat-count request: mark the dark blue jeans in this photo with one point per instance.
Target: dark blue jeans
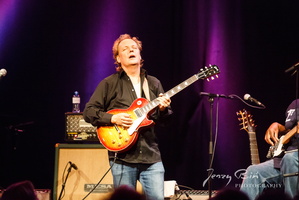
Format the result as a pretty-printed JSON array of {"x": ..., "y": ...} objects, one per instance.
[
  {"x": 265, "y": 176},
  {"x": 151, "y": 177}
]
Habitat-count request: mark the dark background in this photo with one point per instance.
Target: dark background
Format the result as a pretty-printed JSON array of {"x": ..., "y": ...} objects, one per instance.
[{"x": 53, "y": 48}]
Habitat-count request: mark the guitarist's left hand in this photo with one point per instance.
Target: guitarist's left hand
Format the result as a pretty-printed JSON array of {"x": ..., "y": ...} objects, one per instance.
[{"x": 164, "y": 102}]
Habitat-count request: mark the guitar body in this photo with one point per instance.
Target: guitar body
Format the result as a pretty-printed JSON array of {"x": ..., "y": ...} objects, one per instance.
[
  {"x": 279, "y": 148},
  {"x": 118, "y": 139}
]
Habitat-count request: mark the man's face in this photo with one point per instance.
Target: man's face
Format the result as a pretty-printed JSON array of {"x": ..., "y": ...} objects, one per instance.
[{"x": 128, "y": 53}]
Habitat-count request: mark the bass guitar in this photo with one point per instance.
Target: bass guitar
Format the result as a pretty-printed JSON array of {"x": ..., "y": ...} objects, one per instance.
[
  {"x": 249, "y": 126},
  {"x": 119, "y": 139},
  {"x": 278, "y": 149}
]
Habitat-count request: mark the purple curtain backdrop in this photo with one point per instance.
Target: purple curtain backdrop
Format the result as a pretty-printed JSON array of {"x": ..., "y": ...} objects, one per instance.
[{"x": 52, "y": 48}]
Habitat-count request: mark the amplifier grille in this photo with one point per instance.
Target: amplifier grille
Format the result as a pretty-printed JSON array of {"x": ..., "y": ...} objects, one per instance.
[
  {"x": 76, "y": 129},
  {"x": 193, "y": 194}
]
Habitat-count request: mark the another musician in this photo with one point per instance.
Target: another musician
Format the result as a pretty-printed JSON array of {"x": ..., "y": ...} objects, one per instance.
[
  {"x": 280, "y": 172},
  {"x": 142, "y": 161}
]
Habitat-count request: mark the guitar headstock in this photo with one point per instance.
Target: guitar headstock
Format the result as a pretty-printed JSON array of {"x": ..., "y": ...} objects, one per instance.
[
  {"x": 209, "y": 72},
  {"x": 247, "y": 121}
]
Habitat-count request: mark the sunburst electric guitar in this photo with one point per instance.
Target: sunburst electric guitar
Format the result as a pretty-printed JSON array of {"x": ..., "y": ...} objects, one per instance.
[
  {"x": 249, "y": 126},
  {"x": 119, "y": 139}
]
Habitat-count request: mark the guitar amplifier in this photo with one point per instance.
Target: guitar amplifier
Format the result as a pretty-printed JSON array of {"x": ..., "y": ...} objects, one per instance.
[
  {"x": 194, "y": 194},
  {"x": 77, "y": 129}
]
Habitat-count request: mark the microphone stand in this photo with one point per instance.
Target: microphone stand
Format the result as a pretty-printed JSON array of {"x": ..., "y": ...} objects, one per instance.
[
  {"x": 63, "y": 184},
  {"x": 211, "y": 100},
  {"x": 211, "y": 151}
]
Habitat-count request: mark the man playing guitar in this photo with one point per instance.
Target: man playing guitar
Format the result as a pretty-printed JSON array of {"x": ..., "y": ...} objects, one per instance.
[
  {"x": 282, "y": 170},
  {"x": 142, "y": 159}
]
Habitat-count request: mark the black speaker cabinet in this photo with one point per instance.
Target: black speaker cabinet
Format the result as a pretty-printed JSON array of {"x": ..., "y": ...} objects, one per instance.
[{"x": 92, "y": 163}]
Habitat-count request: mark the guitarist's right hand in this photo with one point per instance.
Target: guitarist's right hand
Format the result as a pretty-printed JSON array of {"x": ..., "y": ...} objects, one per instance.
[
  {"x": 122, "y": 119},
  {"x": 271, "y": 136}
]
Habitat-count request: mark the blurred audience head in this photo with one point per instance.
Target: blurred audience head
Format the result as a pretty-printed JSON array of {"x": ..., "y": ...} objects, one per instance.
[
  {"x": 23, "y": 190},
  {"x": 126, "y": 193},
  {"x": 229, "y": 194}
]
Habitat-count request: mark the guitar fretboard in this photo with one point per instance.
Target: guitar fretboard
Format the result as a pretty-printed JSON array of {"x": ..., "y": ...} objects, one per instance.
[
  {"x": 254, "y": 152},
  {"x": 154, "y": 103},
  {"x": 204, "y": 73}
]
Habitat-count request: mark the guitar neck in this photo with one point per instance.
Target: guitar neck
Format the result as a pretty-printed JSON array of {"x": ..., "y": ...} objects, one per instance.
[
  {"x": 181, "y": 86},
  {"x": 254, "y": 152},
  {"x": 290, "y": 134},
  {"x": 154, "y": 103},
  {"x": 203, "y": 73}
]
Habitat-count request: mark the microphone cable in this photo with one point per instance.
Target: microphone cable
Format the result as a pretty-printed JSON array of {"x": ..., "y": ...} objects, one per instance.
[{"x": 115, "y": 157}]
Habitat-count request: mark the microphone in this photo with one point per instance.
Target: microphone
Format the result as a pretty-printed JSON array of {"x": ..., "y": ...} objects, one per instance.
[
  {"x": 294, "y": 67},
  {"x": 73, "y": 165},
  {"x": 248, "y": 97},
  {"x": 3, "y": 73}
]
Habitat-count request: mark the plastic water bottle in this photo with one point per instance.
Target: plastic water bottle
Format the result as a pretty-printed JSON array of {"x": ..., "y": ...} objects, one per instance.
[{"x": 76, "y": 102}]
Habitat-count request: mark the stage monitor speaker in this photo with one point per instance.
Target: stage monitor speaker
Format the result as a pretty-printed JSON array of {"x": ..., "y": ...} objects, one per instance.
[{"x": 92, "y": 163}]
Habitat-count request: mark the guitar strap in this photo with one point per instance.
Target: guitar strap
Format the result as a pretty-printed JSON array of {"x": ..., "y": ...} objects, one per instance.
[{"x": 146, "y": 89}]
